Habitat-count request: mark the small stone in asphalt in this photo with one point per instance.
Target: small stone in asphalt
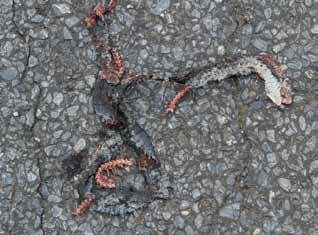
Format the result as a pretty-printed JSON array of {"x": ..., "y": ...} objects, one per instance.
[
  {"x": 260, "y": 44},
  {"x": 80, "y": 145},
  {"x": 158, "y": 6},
  {"x": 196, "y": 194},
  {"x": 61, "y": 9},
  {"x": 8, "y": 74},
  {"x": 67, "y": 34},
  {"x": 231, "y": 211},
  {"x": 314, "y": 29},
  {"x": 284, "y": 184},
  {"x": 189, "y": 230},
  {"x": 166, "y": 215},
  {"x": 179, "y": 222}
]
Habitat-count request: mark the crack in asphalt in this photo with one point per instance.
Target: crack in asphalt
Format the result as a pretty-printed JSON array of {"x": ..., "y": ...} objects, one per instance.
[
  {"x": 21, "y": 34},
  {"x": 26, "y": 63},
  {"x": 31, "y": 136},
  {"x": 24, "y": 39},
  {"x": 38, "y": 190}
]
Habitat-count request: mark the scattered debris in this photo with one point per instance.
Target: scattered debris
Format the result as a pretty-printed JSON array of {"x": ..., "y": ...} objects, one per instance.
[
  {"x": 88, "y": 188},
  {"x": 271, "y": 63},
  {"x": 111, "y": 5},
  {"x": 286, "y": 92},
  {"x": 113, "y": 71},
  {"x": 84, "y": 205},
  {"x": 264, "y": 66},
  {"x": 106, "y": 98},
  {"x": 91, "y": 21},
  {"x": 96, "y": 14},
  {"x": 109, "y": 168},
  {"x": 144, "y": 162},
  {"x": 123, "y": 202},
  {"x": 106, "y": 106},
  {"x": 118, "y": 62},
  {"x": 142, "y": 141},
  {"x": 181, "y": 93},
  {"x": 108, "y": 73},
  {"x": 100, "y": 11}
]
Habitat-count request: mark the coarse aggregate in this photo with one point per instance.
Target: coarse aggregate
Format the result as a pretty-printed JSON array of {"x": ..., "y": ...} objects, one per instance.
[{"x": 234, "y": 162}]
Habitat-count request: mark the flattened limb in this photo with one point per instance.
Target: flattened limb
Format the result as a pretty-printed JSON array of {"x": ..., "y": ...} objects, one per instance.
[{"x": 176, "y": 99}]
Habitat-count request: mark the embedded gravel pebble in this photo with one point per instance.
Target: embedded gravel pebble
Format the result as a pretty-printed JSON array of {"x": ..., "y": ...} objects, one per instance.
[{"x": 234, "y": 163}]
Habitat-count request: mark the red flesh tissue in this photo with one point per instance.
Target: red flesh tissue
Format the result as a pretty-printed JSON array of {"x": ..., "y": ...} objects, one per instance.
[
  {"x": 114, "y": 71},
  {"x": 113, "y": 123},
  {"x": 270, "y": 62},
  {"x": 108, "y": 73},
  {"x": 145, "y": 162},
  {"x": 91, "y": 21},
  {"x": 182, "y": 92},
  {"x": 99, "y": 10},
  {"x": 118, "y": 62},
  {"x": 285, "y": 91},
  {"x": 109, "y": 167},
  {"x": 97, "y": 13},
  {"x": 84, "y": 205},
  {"x": 111, "y": 5}
]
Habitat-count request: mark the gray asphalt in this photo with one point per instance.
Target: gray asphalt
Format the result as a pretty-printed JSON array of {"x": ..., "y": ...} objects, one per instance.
[{"x": 235, "y": 163}]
